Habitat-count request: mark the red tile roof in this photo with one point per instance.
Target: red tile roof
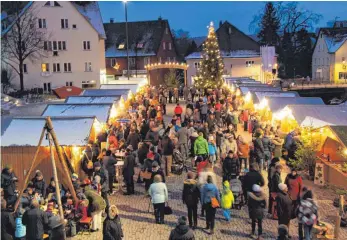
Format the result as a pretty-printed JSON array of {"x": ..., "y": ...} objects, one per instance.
[{"x": 64, "y": 92}]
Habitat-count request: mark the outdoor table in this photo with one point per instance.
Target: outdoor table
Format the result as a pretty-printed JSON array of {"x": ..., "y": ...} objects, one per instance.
[{"x": 119, "y": 169}]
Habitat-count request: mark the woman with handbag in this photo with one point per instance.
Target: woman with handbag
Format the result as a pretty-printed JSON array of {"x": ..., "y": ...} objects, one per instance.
[
  {"x": 159, "y": 195},
  {"x": 210, "y": 198}
]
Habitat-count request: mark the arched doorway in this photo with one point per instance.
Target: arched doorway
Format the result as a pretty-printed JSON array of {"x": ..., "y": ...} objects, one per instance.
[{"x": 167, "y": 65}]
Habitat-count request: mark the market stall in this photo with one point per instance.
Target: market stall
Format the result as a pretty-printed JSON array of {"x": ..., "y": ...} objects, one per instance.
[
  {"x": 260, "y": 88},
  {"x": 259, "y": 96},
  {"x": 313, "y": 116},
  {"x": 106, "y": 92},
  {"x": 102, "y": 112},
  {"x": 20, "y": 140},
  {"x": 92, "y": 99},
  {"x": 132, "y": 87}
]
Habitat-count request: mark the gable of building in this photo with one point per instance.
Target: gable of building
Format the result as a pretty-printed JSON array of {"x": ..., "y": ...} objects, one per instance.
[
  {"x": 89, "y": 10},
  {"x": 144, "y": 37},
  {"x": 333, "y": 38}
]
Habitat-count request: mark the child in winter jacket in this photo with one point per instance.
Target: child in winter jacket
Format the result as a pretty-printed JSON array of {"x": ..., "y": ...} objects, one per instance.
[
  {"x": 212, "y": 149},
  {"x": 227, "y": 200},
  {"x": 20, "y": 231}
]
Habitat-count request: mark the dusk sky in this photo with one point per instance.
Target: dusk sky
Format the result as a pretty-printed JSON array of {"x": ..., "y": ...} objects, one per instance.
[{"x": 195, "y": 16}]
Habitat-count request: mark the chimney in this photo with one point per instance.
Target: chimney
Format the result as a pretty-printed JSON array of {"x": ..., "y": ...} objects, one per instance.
[{"x": 111, "y": 20}]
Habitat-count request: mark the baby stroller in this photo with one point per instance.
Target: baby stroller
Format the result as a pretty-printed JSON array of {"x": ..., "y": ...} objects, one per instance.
[
  {"x": 178, "y": 164},
  {"x": 236, "y": 188}
]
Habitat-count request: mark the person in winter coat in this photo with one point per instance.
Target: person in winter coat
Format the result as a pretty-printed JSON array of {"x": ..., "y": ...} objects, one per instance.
[
  {"x": 190, "y": 197},
  {"x": 274, "y": 185},
  {"x": 231, "y": 167},
  {"x": 183, "y": 140},
  {"x": 203, "y": 112},
  {"x": 284, "y": 205},
  {"x": 102, "y": 172},
  {"x": 159, "y": 195},
  {"x": 182, "y": 231},
  {"x": 259, "y": 149},
  {"x": 212, "y": 149},
  {"x": 128, "y": 170},
  {"x": 307, "y": 214},
  {"x": 20, "y": 231},
  {"x": 8, "y": 184},
  {"x": 251, "y": 178},
  {"x": 133, "y": 139},
  {"x": 267, "y": 144},
  {"x": 178, "y": 111},
  {"x": 112, "y": 228},
  {"x": 108, "y": 163},
  {"x": 211, "y": 122},
  {"x": 278, "y": 143},
  {"x": 283, "y": 232},
  {"x": 229, "y": 144},
  {"x": 201, "y": 146},
  {"x": 208, "y": 192},
  {"x": 157, "y": 170},
  {"x": 227, "y": 200},
  {"x": 39, "y": 184},
  {"x": 168, "y": 148},
  {"x": 256, "y": 206},
  {"x": 35, "y": 221},
  {"x": 7, "y": 222},
  {"x": 95, "y": 208},
  {"x": 295, "y": 186},
  {"x": 243, "y": 151}
]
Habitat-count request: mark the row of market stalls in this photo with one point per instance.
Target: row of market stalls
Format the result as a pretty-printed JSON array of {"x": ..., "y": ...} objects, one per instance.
[
  {"x": 326, "y": 123},
  {"x": 76, "y": 122}
]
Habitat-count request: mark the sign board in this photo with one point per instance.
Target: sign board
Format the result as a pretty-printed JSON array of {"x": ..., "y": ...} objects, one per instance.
[{"x": 319, "y": 174}]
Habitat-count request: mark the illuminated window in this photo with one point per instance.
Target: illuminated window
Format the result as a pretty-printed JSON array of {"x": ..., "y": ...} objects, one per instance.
[
  {"x": 121, "y": 46},
  {"x": 45, "y": 67},
  {"x": 249, "y": 63}
]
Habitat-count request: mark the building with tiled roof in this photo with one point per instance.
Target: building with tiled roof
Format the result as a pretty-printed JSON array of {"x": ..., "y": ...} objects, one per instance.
[
  {"x": 330, "y": 54},
  {"x": 73, "y": 50},
  {"x": 149, "y": 42}
]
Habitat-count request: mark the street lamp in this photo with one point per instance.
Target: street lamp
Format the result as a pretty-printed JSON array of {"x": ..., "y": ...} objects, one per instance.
[{"x": 126, "y": 33}]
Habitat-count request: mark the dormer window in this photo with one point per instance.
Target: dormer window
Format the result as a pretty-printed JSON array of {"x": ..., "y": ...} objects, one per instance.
[
  {"x": 52, "y": 4},
  {"x": 139, "y": 45},
  {"x": 121, "y": 46}
]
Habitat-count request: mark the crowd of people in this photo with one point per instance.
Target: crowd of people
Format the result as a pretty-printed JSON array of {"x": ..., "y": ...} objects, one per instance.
[{"x": 204, "y": 138}]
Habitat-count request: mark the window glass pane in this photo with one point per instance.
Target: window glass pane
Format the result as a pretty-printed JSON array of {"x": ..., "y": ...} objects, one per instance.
[
  {"x": 64, "y": 45},
  {"x": 88, "y": 45},
  {"x": 62, "y": 23},
  {"x": 58, "y": 67},
  {"x": 66, "y": 23},
  {"x": 43, "y": 67},
  {"x": 59, "y": 45}
]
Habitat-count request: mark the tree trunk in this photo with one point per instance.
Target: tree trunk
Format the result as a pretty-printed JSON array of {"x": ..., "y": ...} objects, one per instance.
[{"x": 21, "y": 76}]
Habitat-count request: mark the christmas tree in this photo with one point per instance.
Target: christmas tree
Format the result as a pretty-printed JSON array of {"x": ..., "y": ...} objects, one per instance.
[
  {"x": 270, "y": 26},
  {"x": 211, "y": 66}
]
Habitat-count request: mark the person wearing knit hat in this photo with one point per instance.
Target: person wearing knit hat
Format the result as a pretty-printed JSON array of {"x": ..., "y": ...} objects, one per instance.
[
  {"x": 182, "y": 231},
  {"x": 282, "y": 232},
  {"x": 8, "y": 179},
  {"x": 39, "y": 184},
  {"x": 284, "y": 205},
  {"x": 256, "y": 206}
]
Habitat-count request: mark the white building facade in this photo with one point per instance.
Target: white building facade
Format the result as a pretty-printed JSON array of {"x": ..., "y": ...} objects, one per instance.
[
  {"x": 75, "y": 50},
  {"x": 329, "y": 58}
]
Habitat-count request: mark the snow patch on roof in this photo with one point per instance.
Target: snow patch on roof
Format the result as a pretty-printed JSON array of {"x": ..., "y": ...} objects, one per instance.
[
  {"x": 131, "y": 87},
  {"x": 335, "y": 42},
  {"x": 100, "y": 111},
  {"x": 69, "y": 132},
  {"x": 230, "y": 54},
  {"x": 105, "y": 92},
  {"x": 114, "y": 52},
  {"x": 278, "y": 103},
  {"x": 92, "y": 13},
  {"x": 87, "y": 99}
]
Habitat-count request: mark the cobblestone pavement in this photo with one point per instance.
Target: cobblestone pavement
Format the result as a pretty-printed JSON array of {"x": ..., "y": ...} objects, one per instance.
[{"x": 138, "y": 223}]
